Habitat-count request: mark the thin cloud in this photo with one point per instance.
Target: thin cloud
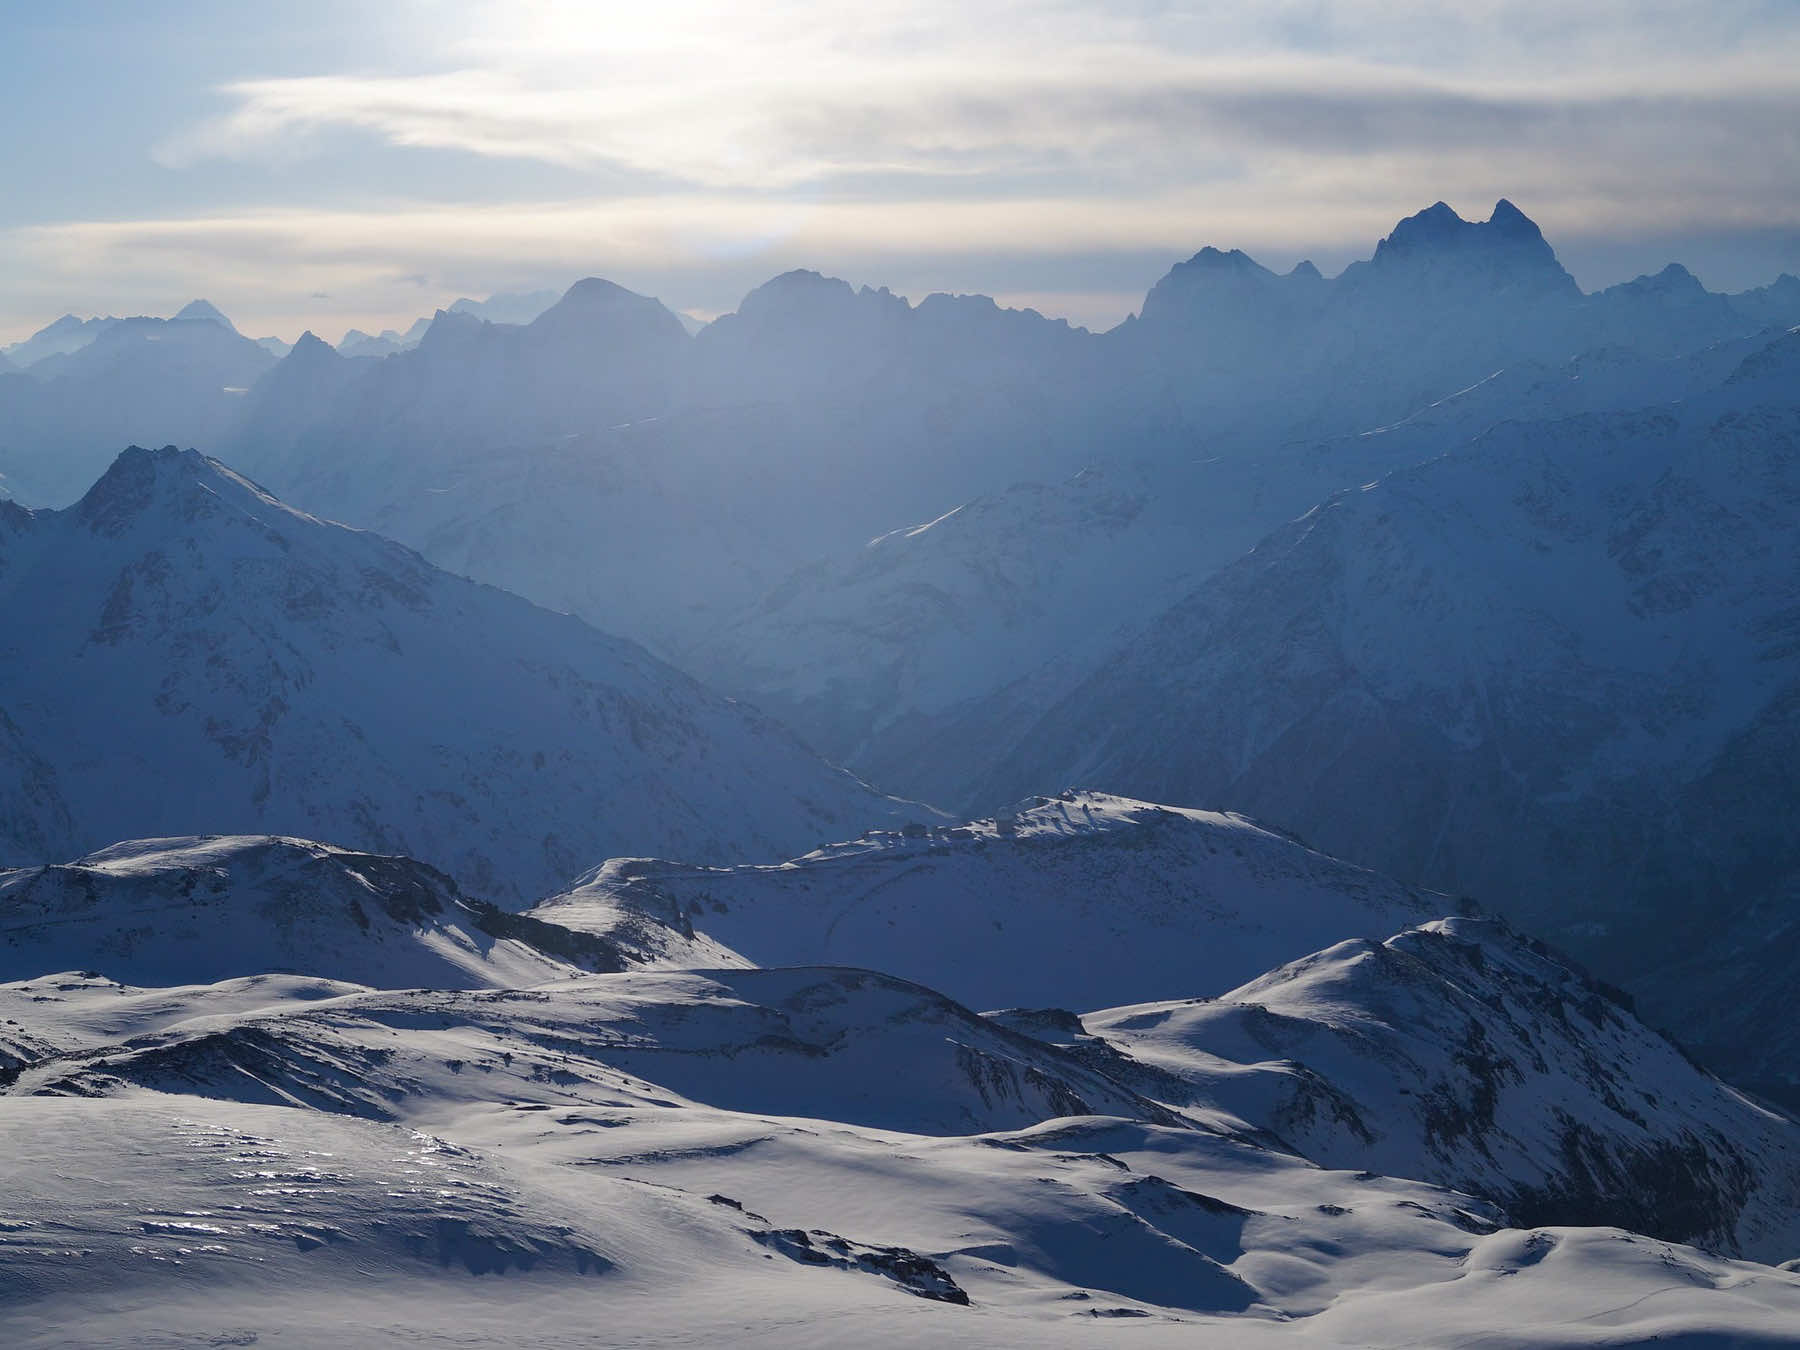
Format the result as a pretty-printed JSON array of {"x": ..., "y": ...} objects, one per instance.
[
  {"x": 1095, "y": 128},
  {"x": 926, "y": 135}
]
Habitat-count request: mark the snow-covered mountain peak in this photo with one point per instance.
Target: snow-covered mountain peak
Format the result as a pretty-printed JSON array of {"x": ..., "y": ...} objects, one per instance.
[
  {"x": 168, "y": 489},
  {"x": 1461, "y": 1052},
  {"x": 199, "y": 909},
  {"x": 204, "y": 657}
]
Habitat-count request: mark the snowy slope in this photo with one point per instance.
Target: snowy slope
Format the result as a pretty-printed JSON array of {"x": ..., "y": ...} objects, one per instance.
[
  {"x": 193, "y": 911},
  {"x": 512, "y": 1177},
  {"x": 183, "y": 653},
  {"x": 1074, "y": 901},
  {"x": 825, "y": 1043},
  {"x": 1460, "y": 1053}
]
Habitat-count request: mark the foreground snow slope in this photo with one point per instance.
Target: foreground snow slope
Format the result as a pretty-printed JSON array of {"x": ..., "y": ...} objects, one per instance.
[
  {"x": 833, "y": 1044},
  {"x": 617, "y": 1157},
  {"x": 181, "y": 652},
  {"x": 1461, "y": 1053},
  {"x": 1078, "y": 900}
]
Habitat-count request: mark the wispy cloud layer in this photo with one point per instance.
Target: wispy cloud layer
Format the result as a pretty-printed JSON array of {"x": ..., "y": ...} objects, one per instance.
[{"x": 698, "y": 131}]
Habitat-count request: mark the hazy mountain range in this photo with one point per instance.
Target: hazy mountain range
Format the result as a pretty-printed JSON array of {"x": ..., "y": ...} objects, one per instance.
[{"x": 516, "y": 828}]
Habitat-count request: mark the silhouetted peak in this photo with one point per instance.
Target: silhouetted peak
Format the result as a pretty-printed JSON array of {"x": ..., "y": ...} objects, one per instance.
[
  {"x": 1675, "y": 277},
  {"x": 1439, "y": 227},
  {"x": 1212, "y": 276},
  {"x": 595, "y": 304},
  {"x": 311, "y": 348},
  {"x": 204, "y": 310},
  {"x": 803, "y": 296},
  {"x": 799, "y": 289},
  {"x": 446, "y": 327},
  {"x": 1508, "y": 219},
  {"x": 1499, "y": 253},
  {"x": 1435, "y": 226},
  {"x": 1210, "y": 258},
  {"x": 589, "y": 291},
  {"x": 1305, "y": 270},
  {"x": 63, "y": 326},
  {"x": 802, "y": 279}
]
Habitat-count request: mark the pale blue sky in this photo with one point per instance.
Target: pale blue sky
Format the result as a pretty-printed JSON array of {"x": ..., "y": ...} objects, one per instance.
[{"x": 343, "y": 164}]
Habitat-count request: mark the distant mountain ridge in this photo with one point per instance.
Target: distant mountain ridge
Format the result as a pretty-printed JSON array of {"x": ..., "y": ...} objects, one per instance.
[{"x": 738, "y": 476}]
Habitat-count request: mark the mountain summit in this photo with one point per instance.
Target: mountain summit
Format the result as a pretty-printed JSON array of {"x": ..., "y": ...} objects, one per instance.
[
  {"x": 204, "y": 311},
  {"x": 1506, "y": 251}
]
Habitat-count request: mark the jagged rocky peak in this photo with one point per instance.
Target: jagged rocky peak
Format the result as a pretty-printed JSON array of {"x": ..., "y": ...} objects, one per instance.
[
  {"x": 140, "y": 479},
  {"x": 203, "y": 311},
  {"x": 1507, "y": 247}
]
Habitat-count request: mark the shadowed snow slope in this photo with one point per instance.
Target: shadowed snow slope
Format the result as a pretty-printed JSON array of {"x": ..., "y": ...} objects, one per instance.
[
  {"x": 1076, "y": 900},
  {"x": 180, "y": 652},
  {"x": 1463, "y": 1054}
]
